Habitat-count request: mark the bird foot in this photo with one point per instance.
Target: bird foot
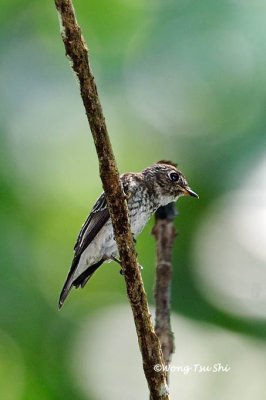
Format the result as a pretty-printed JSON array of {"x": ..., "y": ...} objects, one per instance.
[
  {"x": 119, "y": 262},
  {"x": 122, "y": 272}
]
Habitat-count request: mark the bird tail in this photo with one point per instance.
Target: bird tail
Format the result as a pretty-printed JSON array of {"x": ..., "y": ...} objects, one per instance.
[{"x": 80, "y": 281}]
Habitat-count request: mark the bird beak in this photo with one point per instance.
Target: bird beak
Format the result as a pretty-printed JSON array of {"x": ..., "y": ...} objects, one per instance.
[{"x": 189, "y": 192}]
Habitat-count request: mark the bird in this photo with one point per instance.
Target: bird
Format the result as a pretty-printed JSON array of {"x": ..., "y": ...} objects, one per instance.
[{"x": 146, "y": 191}]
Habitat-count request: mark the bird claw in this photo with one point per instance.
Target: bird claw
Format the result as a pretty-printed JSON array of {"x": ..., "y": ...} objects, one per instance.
[
  {"x": 119, "y": 262},
  {"x": 121, "y": 272}
]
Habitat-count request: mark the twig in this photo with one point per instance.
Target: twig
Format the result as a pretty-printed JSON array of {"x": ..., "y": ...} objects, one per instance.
[
  {"x": 149, "y": 344},
  {"x": 165, "y": 233}
]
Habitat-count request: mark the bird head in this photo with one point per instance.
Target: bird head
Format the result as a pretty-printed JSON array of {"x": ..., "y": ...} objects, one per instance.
[{"x": 168, "y": 182}]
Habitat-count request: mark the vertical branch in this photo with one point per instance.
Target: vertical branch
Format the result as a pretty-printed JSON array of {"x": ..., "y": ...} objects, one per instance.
[
  {"x": 149, "y": 344},
  {"x": 164, "y": 232}
]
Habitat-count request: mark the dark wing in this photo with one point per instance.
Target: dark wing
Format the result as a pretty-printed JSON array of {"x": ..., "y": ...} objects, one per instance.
[
  {"x": 94, "y": 223},
  {"x": 92, "y": 226},
  {"x": 98, "y": 217}
]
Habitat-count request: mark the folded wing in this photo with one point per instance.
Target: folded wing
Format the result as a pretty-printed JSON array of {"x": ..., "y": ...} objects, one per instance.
[{"x": 94, "y": 223}]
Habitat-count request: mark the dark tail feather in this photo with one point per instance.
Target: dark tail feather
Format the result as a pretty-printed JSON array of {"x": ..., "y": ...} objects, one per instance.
[{"x": 80, "y": 281}]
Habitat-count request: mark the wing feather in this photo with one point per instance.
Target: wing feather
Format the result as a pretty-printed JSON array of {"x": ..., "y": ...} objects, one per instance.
[{"x": 93, "y": 224}]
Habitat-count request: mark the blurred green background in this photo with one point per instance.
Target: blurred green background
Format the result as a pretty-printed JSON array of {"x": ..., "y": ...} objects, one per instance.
[{"x": 179, "y": 80}]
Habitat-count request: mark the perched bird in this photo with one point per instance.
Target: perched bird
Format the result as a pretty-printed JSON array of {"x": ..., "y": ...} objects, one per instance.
[{"x": 146, "y": 191}]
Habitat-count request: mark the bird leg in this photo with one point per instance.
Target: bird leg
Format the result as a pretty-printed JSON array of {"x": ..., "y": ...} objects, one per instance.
[
  {"x": 119, "y": 262},
  {"x": 116, "y": 260}
]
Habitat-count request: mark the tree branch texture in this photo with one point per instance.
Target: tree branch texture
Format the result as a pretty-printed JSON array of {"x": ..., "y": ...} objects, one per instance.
[
  {"x": 164, "y": 232},
  {"x": 77, "y": 52}
]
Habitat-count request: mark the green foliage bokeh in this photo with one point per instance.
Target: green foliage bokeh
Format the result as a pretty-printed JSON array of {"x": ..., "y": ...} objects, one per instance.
[{"x": 178, "y": 80}]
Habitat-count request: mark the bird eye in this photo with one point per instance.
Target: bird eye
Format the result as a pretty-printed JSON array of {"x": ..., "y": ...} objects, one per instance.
[{"x": 174, "y": 176}]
